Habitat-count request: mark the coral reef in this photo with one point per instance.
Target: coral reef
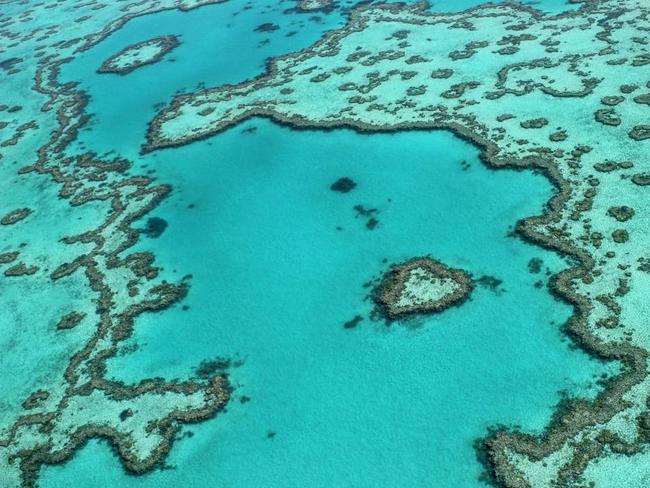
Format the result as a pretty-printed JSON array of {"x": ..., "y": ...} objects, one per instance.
[
  {"x": 421, "y": 286},
  {"x": 140, "y": 54},
  {"x": 80, "y": 402},
  {"x": 537, "y": 94}
]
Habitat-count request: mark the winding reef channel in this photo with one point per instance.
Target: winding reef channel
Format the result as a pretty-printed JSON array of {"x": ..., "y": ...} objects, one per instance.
[
  {"x": 565, "y": 95},
  {"x": 78, "y": 403}
]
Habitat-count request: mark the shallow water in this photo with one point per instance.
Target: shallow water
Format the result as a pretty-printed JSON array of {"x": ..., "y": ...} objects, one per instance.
[{"x": 274, "y": 281}]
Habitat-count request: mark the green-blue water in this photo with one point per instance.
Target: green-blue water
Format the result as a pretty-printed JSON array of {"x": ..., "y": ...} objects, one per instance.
[{"x": 274, "y": 280}]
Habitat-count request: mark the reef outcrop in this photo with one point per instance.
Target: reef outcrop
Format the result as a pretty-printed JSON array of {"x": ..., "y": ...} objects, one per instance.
[
  {"x": 140, "y": 54},
  {"x": 421, "y": 286}
]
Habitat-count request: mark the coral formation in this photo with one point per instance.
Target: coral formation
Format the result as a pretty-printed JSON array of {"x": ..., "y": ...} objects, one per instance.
[
  {"x": 80, "y": 402},
  {"x": 137, "y": 55},
  {"x": 421, "y": 286},
  {"x": 538, "y": 94}
]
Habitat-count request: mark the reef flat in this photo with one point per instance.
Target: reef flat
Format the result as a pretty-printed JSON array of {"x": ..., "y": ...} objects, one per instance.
[
  {"x": 140, "y": 54},
  {"x": 564, "y": 95},
  {"x": 84, "y": 275}
]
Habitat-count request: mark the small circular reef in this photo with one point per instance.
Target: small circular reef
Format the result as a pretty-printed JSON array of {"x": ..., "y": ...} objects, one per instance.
[{"x": 421, "y": 285}]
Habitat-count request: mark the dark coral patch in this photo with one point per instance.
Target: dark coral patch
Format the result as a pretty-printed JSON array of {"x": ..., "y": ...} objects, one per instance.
[
  {"x": 621, "y": 214},
  {"x": 267, "y": 27},
  {"x": 352, "y": 323},
  {"x": 15, "y": 216},
  {"x": 70, "y": 320},
  {"x": 343, "y": 185},
  {"x": 155, "y": 227}
]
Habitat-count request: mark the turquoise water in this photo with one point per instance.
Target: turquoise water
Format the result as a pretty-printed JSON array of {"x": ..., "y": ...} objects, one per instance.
[
  {"x": 274, "y": 281},
  {"x": 218, "y": 46}
]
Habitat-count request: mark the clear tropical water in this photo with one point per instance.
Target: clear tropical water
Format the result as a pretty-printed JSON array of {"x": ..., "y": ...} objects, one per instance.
[{"x": 279, "y": 264}]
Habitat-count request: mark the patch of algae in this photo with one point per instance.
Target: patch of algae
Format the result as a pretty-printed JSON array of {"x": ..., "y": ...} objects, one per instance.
[
  {"x": 565, "y": 95},
  {"x": 110, "y": 287}
]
